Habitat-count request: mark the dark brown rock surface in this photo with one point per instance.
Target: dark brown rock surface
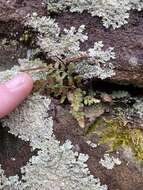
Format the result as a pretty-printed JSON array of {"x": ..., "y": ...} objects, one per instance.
[
  {"x": 127, "y": 40},
  {"x": 128, "y": 43},
  {"x": 123, "y": 177},
  {"x": 17, "y": 9}
]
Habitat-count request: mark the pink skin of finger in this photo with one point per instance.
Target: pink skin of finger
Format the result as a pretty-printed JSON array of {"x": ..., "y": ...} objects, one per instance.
[{"x": 13, "y": 92}]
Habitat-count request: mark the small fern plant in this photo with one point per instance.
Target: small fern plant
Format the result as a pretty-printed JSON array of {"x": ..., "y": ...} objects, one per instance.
[{"x": 64, "y": 65}]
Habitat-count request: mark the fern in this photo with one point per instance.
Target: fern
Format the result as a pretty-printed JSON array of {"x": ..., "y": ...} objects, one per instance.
[{"x": 64, "y": 66}]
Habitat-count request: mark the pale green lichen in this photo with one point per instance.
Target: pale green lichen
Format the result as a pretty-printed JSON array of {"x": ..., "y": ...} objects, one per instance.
[
  {"x": 7, "y": 183},
  {"x": 25, "y": 64},
  {"x": 50, "y": 39},
  {"x": 138, "y": 106},
  {"x": 55, "y": 167},
  {"x": 114, "y": 13},
  {"x": 109, "y": 161},
  {"x": 135, "y": 113},
  {"x": 95, "y": 62},
  {"x": 99, "y": 64}
]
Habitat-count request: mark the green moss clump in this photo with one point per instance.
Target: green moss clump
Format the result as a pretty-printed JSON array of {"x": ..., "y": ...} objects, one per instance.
[{"x": 117, "y": 134}]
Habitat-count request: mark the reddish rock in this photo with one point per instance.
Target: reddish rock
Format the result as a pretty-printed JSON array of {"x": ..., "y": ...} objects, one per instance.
[
  {"x": 17, "y": 9},
  {"x": 127, "y": 41}
]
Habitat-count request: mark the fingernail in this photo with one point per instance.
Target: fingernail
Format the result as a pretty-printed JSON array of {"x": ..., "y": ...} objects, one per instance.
[{"x": 16, "y": 82}]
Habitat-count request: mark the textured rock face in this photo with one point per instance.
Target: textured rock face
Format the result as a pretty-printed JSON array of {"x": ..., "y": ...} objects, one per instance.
[
  {"x": 16, "y": 153},
  {"x": 127, "y": 40},
  {"x": 128, "y": 43},
  {"x": 17, "y": 9}
]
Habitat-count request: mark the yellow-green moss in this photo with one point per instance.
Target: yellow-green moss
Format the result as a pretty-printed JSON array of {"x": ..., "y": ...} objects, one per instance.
[{"x": 117, "y": 134}]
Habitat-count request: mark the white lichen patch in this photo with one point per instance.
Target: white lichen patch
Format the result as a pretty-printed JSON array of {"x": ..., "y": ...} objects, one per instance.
[
  {"x": 7, "y": 183},
  {"x": 4, "y": 76},
  {"x": 99, "y": 64},
  {"x": 55, "y": 167},
  {"x": 50, "y": 39},
  {"x": 135, "y": 113},
  {"x": 114, "y": 13},
  {"x": 23, "y": 127},
  {"x": 138, "y": 106},
  {"x": 96, "y": 61},
  {"x": 109, "y": 161},
  {"x": 91, "y": 144}
]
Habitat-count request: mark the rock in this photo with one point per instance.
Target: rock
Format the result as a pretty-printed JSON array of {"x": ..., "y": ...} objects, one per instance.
[
  {"x": 17, "y": 9},
  {"x": 10, "y": 52},
  {"x": 121, "y": 177},
  {"x": 14, "y": 153},
  {"x": 127, "y": 42}
]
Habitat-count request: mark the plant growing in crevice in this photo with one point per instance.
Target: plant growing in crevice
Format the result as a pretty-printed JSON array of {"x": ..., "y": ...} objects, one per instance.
[
  {"x": 64, "y": 66},
  {"x": 63, "y": 83}
]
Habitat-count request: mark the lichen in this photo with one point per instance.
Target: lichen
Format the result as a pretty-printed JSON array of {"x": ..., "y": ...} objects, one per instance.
[
  {"x": 7, "y": 183},
  {"x": 91, "y": 144},
  {"x": 114, "y": 13},
  {"x": 50, "y": 39},
  {"x": 64, "y": 65},
  {"x": 109, "y": 161},
  {"x": 138, "y": 108},
  {"x": 95, "y": 62},
  {"x": 120, "y": 94},
  {"x": 102, "y": 66},
  {"x": 55, "y": 166},
  {"x": 24, "y": 64},
  {"x": 135, "y": 113}
]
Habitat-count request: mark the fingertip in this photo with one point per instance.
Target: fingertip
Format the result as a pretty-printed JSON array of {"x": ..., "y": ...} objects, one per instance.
[
  {"x": 28, "y": 80},
  {"x": 20, "y": 83},
  {"x": 13, "y": 92}
]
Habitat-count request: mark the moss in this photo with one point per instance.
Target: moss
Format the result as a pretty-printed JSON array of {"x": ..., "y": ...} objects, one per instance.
[{"x": 116, "y": 134}]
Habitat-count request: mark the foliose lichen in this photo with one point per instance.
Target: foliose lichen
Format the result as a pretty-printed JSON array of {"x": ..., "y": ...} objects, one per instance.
[
  {"x": 55, "y": 166},
  {"x": 99, "y": 64},
  {"x": 7, "y": 183},
  {"x": 135, "y": 113},
  {"x": 114, "y": 13},
  {"x": 109, "y": 161},
  {"x": 50, "y": 39},
  {"x": 91, "y": 144},
  {"x": 120, "y": 94},
  {"x": 95, "y": 62}
]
